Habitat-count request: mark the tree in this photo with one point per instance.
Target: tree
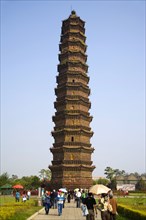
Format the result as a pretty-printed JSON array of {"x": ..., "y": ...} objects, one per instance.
[
  {"x": 4, "y": 178},
  {"x": 45, "y": 174},
  {"x": 141, "y": 185},
  {"x": 30, "y": 182},
  {"x": 111, "y": 173},
  {"x": 119, "y": 172},
  {"x": 35, "y": 182},
  {"x": 113, "y": 184},
  {"x": 103, "y": 181}
]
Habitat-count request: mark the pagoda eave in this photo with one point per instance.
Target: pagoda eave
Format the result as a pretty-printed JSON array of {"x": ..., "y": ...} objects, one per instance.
[
  {"x": 70, "y": 149},
  {"x": 72, "y": 167}
]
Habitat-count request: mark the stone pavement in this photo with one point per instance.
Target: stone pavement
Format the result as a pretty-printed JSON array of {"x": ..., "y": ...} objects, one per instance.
[{"x": 70, "y": 212}]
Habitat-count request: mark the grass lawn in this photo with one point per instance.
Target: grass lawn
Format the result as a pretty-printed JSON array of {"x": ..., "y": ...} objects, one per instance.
[
  {"x": 136, "y": 203},
  {"x": 11, "y": 210}
]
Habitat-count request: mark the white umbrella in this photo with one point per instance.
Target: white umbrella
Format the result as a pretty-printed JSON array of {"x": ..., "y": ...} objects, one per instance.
[
  {"x": 76, "y": 190},
  {"x": 63, "y": 190},
  {"x": 99, "y": 189}
]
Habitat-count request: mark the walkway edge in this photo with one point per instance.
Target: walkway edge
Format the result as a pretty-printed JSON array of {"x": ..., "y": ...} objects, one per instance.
[{"x": 35, "y": 214}]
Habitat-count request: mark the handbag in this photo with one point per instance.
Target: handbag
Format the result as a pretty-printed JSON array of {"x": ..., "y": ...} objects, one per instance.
[{"x": 86, "y": 211}]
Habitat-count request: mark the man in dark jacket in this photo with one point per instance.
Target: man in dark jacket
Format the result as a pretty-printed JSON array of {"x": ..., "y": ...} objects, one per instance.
[{"x": 90, "y": 203}]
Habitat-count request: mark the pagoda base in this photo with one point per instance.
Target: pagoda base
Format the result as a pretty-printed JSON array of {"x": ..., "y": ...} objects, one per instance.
[{"x": 72, "y": 177}]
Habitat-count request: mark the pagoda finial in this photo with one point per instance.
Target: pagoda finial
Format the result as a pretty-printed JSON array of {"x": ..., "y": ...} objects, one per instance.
[{"x": 73, "y": 13}]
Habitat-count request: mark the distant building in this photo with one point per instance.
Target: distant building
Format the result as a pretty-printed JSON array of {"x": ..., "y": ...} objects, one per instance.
[
  {"x": 128, "y": 182},
  {"x": 126, "y": 187}
]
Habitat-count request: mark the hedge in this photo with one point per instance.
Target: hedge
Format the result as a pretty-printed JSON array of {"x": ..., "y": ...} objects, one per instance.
[{"x": 131, "y": 214}]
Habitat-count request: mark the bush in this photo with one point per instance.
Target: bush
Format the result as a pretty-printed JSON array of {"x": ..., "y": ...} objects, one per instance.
[{"x": 131, "y": 214}]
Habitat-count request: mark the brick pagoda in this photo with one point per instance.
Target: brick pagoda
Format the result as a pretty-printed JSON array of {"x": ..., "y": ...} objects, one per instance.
[{"x": 72, "y": 166}]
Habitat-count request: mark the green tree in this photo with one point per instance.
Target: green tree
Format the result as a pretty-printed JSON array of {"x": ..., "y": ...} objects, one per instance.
[
  {"x": 141, "y": 185},
  {"x": 112, "y": 173},
  {"x": 113, "y": 184},
  {"x": 103, "y": 181},
  {"x": 35, "y": 182},
  {"x": 119, "y": 172},
  {"x": 4, "y": 178},
  {"x": 109, "y": 172},
  {"x": 30, "y": 182},
  {"x": 45, "y": 174}
]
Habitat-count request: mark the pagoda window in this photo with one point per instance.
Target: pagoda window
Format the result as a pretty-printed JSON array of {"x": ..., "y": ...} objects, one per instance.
[
  {"x": 72, "y": 139},
  {"x": 73, "y": 80}
]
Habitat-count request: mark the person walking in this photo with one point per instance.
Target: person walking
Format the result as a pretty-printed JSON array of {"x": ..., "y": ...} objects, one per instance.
[
  {"x": 78, "y": 198},
  {"x": 90, "y": 202},
  {"x": 28, "y": 194},
  {"x": 17, "y": 196},
  {"x": 83, "y": 196},
  {"x": 60, "y": 200},
  {"x": 47, "y": 202},
  {"x": 103, "y": 206},
  {"x": 113, "y": 203},
  {"x": 54, "y": 199},
  {"x": 68, "y": 196}
]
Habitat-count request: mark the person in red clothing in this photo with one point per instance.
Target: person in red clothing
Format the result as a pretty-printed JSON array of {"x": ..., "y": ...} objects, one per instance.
[{"x": 113, "y": 203}]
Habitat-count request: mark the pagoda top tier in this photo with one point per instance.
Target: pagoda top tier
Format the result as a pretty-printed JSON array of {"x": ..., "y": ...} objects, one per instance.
[
  {"x": 73, "y": 18},
  {"x": 73, "y": 13}
]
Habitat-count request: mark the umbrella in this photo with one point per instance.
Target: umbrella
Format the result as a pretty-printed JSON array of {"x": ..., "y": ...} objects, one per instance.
[
  {"x": 18, "y": 186},
  {"x": 76, "y": 190},
  {"x": 99, "y": 189},
  {"x": 63, "y": 190}
]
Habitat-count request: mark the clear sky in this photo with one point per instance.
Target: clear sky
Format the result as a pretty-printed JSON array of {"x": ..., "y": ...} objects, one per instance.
[{"x": 30, "y": 36}]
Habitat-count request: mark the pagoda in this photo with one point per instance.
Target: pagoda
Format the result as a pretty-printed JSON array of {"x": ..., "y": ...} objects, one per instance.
[{"x": 71, "y": 165}]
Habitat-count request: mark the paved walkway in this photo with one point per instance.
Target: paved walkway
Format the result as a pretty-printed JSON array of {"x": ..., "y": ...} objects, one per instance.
[{"x": 70, "y": 212}]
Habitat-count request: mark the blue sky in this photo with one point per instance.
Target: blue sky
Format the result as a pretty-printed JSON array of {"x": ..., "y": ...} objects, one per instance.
[{"x": 30, "y": 36}]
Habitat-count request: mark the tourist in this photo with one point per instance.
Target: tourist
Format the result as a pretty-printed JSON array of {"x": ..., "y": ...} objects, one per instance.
[
  {"x": 47, "y": 202},
  {"x": 83, "y": 196},
  {"x": 103, "y": 206},
  {"x": 28, "y": 194},
  {"x": 113, "y": 203},
  {"x": 90, "y": 202},
  {"x": 24, "y": 198},
  {"x": 54, "y": 199},
  {"x": 17, "y": 196},
  {"x": 60, "y": 201},
  {"x": 78, "y": 198},
  {"x": 68, "y": 196}
]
